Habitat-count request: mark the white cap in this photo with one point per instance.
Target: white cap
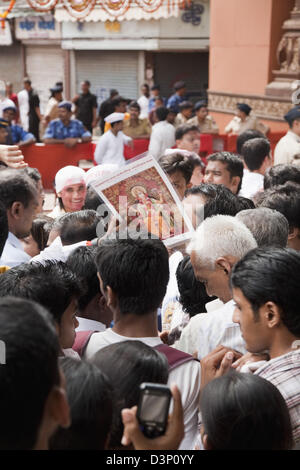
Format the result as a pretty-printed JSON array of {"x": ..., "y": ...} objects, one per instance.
[
  {"x": 114, "y": 117},
  {"x": 67, "y": 176},
  {"x": 100, "y": 172}
]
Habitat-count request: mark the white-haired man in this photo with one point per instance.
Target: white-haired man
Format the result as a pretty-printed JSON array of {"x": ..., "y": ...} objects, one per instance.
[{"x": 218, "y": 243}]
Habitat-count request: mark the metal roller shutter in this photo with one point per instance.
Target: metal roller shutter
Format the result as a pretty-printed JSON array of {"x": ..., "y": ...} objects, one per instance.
[
  {"x": 106, "y": 70},
  {"x": 45, "y": 67}
]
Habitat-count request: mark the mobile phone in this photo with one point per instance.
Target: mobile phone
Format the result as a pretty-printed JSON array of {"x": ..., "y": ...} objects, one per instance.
[{"x": 153, "y": 408}]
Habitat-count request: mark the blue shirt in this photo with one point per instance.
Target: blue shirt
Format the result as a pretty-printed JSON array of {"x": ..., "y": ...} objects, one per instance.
[
  {"x": 57, "y": 130},
  {"x": 174, "y": 102},
  {"x": 152, "y": 103},
  {"x": 19, "y": 135}
]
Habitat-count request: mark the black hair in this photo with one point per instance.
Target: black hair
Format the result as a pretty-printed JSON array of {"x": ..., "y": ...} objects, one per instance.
[
  {"x": 27, "y": 80},
  {"x": 3, "y": 227},
  {"x": 15, "y": 186},
  {"x": 79, "y": 226},
  {"x": 142, "y": 364},
  {"x": 224, "y": 203},
  {"x": 135, "y": 105},
  {"x": 284, "y": 199},
  {"x": 259, "y": 275},
  {"x": 245, "y": 203},
  {"x": 245, "y": 412},
  {"x": 193, "y": 296},
  {"x": 51, "y": 284},
  {"x": 30, "y": 371},
  {"x": 247, "y": 135},
  {"x": 137, "y": 270},
  {"x": 155, "y": 87},
  {"x": 234, "y": 164},
  {"x": 184, "y": 129},
  {"x": 89, "y": 396},
  {"x": 146, "y": 85},
  {"x": 205, "y": 189},
  {"x": 82, "y": 263},
  {"x": 87, "y": 82},
  {"x": 177, "y": 162},
  {"x": 280, "y": 174},
  {"x": 162, "y": 113},
  {"x": 255, "y": 151},
  {"x": 41, "y": 227},
  {"x": 117, "y": 100},
  {"x": 185, "y": 105},
  {"x": 33, "y": 173}
]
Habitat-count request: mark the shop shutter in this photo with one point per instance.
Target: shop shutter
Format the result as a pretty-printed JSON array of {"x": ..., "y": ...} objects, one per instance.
[{"x": 106, "y": 70}]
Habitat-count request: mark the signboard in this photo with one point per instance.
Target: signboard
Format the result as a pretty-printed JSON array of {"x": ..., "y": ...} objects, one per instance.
[{"x": 37, "y": 27}]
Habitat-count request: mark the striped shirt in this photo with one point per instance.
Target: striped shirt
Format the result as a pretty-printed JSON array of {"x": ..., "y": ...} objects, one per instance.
[{"x": 284, "y": 373}]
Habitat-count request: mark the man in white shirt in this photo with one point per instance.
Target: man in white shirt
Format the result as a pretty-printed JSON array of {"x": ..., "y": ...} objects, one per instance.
[
  {"x": 23, "y": 101},
  {"x": 288, "y": 148},
  {"x": 218, "y": 243},
  {"x": 133, "y": 275},
  {"x": 257, "y": 158},
  {"x": 20, "y": 198},
  {"x": 143, "y": 101},
  {"x": 110, "y": 147},
  {"x": 162, "y": 135}
]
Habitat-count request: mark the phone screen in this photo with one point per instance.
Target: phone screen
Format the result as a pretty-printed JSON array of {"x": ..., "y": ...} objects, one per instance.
[{"x": 154, "y": 407}]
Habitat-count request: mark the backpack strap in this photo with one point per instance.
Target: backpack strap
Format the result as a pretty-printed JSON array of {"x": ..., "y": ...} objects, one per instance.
[
  {"x": 174, "y": 356},
  {"x": 81, "y": 340}
]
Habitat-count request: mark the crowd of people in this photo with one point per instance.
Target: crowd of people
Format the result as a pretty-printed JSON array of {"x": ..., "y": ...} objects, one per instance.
[{"x": 88, "y": 314}]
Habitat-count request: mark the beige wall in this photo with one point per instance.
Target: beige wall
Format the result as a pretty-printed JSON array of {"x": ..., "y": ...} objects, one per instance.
[{"x": 243, "y": 41}]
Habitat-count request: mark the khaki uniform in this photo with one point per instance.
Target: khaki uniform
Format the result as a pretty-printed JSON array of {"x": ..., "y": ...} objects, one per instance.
[
  {"x": 142, "y": 129},
  {"x": 208, "y": 126},
  {"x": 236, "y": 126},
  {"x": 180, "y": 120}
]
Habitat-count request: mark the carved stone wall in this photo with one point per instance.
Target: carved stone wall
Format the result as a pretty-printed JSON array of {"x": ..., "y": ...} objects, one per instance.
[{"x": 262, "y": 106}]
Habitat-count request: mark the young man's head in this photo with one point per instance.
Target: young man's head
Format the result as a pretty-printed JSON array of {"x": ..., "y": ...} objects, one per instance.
[
  {"x": 54, "y": 286},
  {"x": 119, "y": 104},
  {"x": 145, "y": 90},
  {"x": 9, "y": 113},
  {"x": 265, "y": 286},
  {"x": 3, "y": 227},
  {"x": 134, "y": 110},
  {"x": 293, "y": 120},
  {"x": 180, "y": 88},
  {"x": 186, "y": 109},
  {"x": 243, "y": 110},
  {"x": 85, "y": 86},
  {"x": 286, "y": 200},
  {"x": 19, "y": 196},
  {"x": 179, "y": 169},
  {"x": 280, "y": 174},
  {"x": 90, "y": 398},
  {"x": 92, "y": 303},
  {"x": 247, "y": 135},
  {"x": 216, "y": 246},
  {"x": 171, "y": 116},
  {"x": 225, "y": 168},
  {"x": 161, "y": 113},
  {"x": 33, "y": 400},
  {"x": 79, "y": 226},
  {"x": 201, "y": 110},
  {"x": 27, "y": 83},
  {"x": 256, "y": 155},
  {"x": 36, "y": 177},
  {"x": 269, "y": 227},
  {"x": 133, "y": 275},
  {"x": 8, "y": 88},
  {"x": 155, "y": 90},
  {"x": 188, "y": 138}
]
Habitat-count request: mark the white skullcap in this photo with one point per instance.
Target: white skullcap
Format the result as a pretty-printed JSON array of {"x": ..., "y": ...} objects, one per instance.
[
  {"x": 99, "y": 172},
  {"x": 67, "y": 176},
  {"x": 114, "y": 117}
]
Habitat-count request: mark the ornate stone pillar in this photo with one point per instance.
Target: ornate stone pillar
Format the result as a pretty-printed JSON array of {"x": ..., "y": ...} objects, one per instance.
[{"x": 288, "y": 57}]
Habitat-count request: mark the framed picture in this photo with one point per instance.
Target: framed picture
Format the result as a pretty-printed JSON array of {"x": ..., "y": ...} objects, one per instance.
[{"x": 141, "y": 194}]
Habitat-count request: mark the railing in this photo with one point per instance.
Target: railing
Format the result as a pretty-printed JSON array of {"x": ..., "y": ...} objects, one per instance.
[{"x": 48, "y": 159}]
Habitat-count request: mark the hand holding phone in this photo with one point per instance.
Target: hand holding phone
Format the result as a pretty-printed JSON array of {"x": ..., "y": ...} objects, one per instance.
[
  {"x": 168, "y": 441},
  {"x": 153, "y": 409}
]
